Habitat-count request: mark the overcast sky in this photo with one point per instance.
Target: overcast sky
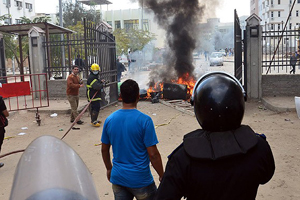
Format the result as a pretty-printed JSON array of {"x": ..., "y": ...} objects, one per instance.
[{"x": 224, "y": 11}]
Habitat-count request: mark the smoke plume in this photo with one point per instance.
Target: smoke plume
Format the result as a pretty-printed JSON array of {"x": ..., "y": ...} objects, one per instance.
[{"x": 179, "y": 18}]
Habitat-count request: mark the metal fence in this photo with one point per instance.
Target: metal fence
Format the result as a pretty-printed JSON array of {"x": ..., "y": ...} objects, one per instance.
[
  {"x": 278, "y": 46},
  {"x": 240, "y": 70}
]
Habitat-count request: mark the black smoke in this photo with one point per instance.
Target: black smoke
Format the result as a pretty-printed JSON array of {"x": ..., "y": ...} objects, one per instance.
[{"x": 180, "y": 19}]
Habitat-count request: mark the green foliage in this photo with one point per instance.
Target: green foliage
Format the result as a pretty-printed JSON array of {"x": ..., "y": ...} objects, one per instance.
[
  {"x": 73, "y": 13},
  {"x": 131, "y": 39},
  {"x": 12, "y": 42},
  {"x": 4, "y": 17}
]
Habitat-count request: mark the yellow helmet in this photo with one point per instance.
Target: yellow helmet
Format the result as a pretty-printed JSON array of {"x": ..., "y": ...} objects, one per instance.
[{"x": 95, "y": 67}]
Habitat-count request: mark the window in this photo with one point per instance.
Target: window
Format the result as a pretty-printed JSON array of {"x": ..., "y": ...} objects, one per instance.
[
  {"x": 131, "y": 24},
  {"x": 290, "y": 27},
  {"x": 272, "y": 26},
  {"x": 278, "y": 26},
  {"x": 272, "y": 14},
  {"x": 272, "y": 2},
  {"x": 146, "y": 25},
  {"x": 298, "y": 1},
  {"x": 18, "y": 21},
  {"x": 117, "y": 24},
  {"x": 19, "y": 4},
  {"x": 278, "y": 13},
  {"x": 297, "y": 13},
  {"x": 278, "y": 2},
  {"x": 28, "y": 5}
]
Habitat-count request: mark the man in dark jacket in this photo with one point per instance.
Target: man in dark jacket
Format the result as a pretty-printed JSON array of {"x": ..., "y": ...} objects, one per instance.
[
  {"x": 120, "y": 68},
  {"x": 94, "y": 85},
  {"x": 293, "y": 62},
  {"x": 224, "y": 160}
]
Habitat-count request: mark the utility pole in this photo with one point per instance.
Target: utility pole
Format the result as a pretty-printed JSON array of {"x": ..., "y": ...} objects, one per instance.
[{"x": 62, "y": 39}]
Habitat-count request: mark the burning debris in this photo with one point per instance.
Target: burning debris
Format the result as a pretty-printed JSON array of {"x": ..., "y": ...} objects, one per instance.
[{"x": 180, "y": 19}]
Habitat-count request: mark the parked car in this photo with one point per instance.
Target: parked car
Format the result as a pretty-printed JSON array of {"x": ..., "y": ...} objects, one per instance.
[{"x": 216, "y": 58}]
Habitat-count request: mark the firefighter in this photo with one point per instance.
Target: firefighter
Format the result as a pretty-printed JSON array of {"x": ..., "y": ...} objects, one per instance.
[
  {"x": 224, "y": 159},
  {"x": 94, "y": 84}
]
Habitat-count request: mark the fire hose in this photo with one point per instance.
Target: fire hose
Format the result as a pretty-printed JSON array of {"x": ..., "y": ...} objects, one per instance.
[{"x": 75, "y": 121}]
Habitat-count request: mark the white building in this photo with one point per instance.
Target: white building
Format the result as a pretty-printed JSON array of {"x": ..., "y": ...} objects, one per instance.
[
  {"x": 133, "y": 18},
  {"x": 274, "y": 13},
  {"x": 17, "y": 9}
]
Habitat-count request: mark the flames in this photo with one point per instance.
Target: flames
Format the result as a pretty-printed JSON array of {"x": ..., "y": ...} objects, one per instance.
[{"x": 186, "y": 79}]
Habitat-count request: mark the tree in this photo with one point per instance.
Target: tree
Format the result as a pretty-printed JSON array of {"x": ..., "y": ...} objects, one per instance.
[
  {"x": 131, "y": 39},
  {"x": 12, "y": 43},
  {"x": 73, "y": 13}
]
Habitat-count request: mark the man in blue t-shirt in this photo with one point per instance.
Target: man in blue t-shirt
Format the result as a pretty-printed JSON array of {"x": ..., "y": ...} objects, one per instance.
[{"x": 133, "y": 139}]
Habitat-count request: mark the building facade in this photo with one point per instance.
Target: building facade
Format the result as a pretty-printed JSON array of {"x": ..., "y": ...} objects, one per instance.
[
  {"x": 274, "y": 14},
  {"x": 17, "y": 9},
  {"x": 133, "y": 18}
]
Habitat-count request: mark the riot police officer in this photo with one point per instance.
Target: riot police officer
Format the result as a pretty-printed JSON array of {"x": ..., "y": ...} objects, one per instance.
[{"x": 224, "y": 159}]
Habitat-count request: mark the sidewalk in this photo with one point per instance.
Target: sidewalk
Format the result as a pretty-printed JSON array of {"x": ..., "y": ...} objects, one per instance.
[
  {"x": 61, "y": 106},
  {"x": 280, "y": 103}
]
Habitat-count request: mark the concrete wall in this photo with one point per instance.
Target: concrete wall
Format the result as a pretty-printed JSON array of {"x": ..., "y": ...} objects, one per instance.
[
  {"x": 57, "y": 89},
  {"x": 280, "y": 85}
]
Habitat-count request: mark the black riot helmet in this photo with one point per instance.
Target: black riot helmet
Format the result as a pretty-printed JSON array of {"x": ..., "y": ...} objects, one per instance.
[{"x": 219, "y": 102}]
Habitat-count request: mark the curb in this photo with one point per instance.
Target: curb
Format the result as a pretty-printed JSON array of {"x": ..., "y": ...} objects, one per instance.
[{"x": 275, "y": 108}]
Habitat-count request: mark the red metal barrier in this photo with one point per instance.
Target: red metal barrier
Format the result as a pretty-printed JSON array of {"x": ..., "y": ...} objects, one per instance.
[{"x": 23, "y": 92}]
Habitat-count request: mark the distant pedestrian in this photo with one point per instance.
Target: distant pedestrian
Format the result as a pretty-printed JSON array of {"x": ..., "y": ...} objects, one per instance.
[
  {"x": 129, "y": 60},
  {"x": 73, "y": 85},
  {"x": 120, "y": 68},
  {"x": 80, "y": 63},
  {"x": 4, "y": 113},
  {"x": 293, "y": 61}
]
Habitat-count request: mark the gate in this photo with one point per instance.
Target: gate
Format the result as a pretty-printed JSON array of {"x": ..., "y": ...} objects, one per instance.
[
  {"x": 2, "y": 58},
  {"x": 278, "y": 46},
  {"x": 238, "y": 53},
  {"x": 97, "y": 45},
  {"x": 22, "y": 92}
]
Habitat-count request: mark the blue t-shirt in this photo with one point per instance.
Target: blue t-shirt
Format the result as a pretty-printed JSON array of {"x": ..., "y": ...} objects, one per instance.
[{"x": 130, "y": 132}]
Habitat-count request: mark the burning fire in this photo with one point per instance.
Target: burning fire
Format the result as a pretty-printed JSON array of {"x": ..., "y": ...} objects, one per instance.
[{"x": 186, "y": 79}]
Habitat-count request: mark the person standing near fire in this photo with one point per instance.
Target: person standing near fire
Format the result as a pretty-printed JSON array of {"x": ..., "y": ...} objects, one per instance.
[
  {"x": 224, "y": 159},
  {"x": 4, "y": 113},
  {"x": 129, "y": 60},
  {"x": 94, "y": 85},
  {"x": 132, "y": 136},
  {"x": 73, "y": 85}
]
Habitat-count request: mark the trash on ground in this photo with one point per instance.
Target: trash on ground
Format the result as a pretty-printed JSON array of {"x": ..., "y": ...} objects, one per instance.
[
  {"x": 98, "y": 144},
  {"x": 61, "y": 129},
  {"x": 8, "y": 137},
  {"x": 156, "y": 126},
  {"x": 75, "y": 128},
  {"x": 24, "y": 128},
  {"x": 21, "y": 133},
  {"x": 53, "y": 115}
]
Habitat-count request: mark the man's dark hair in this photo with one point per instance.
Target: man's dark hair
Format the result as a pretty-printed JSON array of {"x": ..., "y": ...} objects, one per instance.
[
  {"x": 129, "y": 91},
  {"x": 75, "y": 66},
  {"x": 118, "y": 59},
  {"x": 78, "y": 56}
]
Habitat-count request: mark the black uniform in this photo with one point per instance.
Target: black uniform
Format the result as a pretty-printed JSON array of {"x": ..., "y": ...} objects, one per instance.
[
  {"x": 218, "y": 165},
  {"x": 94, "y": 85}
]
